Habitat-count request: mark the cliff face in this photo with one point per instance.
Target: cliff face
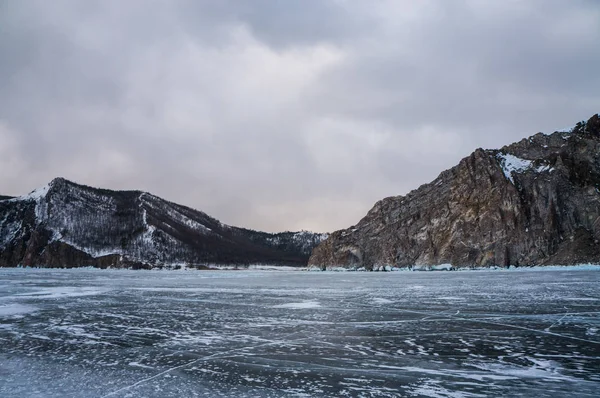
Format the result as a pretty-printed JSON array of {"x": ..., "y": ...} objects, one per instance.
[
  {"x": 69, "y": 225},
  {"x": 534, "y": 202}
]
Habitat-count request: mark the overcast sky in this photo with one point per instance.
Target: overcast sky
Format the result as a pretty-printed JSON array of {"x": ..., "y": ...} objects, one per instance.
[{"x": 281, "y": 114}]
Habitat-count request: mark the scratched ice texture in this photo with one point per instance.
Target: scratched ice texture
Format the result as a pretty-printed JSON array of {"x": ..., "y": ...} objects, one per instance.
[{"x": 94, "y": 333}]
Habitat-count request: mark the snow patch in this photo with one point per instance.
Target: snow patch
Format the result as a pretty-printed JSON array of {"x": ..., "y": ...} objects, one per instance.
[
  {"x": 139, "y": 365},
  {"x": 513, "y": 164},
  {"x": 566, "y": 130},
  {"x": 434, "y": 389},
  {"x": 16, "y": 309},
  {"x": 543, "y": 168},
  {"x": 34, "y": 195},
  {"x": 94, "y": 253},
  {"x": 540, "y": 369},
  {"x": 207, "y": 339},
  {"x": 63, "y": 291},
  {"x": 37, "y": 196},
  {"x": 302, "y": 305},
  {"x": 379, "y": 300}
]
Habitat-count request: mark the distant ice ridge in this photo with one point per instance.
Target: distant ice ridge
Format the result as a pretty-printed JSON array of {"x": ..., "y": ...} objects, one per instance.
[{"x": 513, "y": 164}]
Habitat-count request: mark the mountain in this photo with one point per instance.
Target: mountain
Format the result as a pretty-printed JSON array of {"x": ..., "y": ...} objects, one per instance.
[
  {"x": 65, "y": 224},
  {"x": 534, "y": 202}
]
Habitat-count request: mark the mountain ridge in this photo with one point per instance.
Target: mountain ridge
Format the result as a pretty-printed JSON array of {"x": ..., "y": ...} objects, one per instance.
[
  {"x": 532, "y": 202},
  {"x": 69, "y": 224}
]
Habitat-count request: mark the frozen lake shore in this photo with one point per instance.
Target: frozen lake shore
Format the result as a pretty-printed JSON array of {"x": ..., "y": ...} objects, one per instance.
[{"x": 95, "y": 333}]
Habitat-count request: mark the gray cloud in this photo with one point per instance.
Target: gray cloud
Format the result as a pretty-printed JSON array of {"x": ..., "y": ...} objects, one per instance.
[{"x": 282, "y": 115}]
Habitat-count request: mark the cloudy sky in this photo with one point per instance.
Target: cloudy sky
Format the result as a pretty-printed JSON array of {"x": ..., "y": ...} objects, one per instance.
[{"x": 282, "y": 114}]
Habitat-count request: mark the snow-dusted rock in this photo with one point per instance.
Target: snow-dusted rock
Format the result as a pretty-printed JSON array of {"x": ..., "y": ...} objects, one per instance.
[{"x": 67, "y": 225}]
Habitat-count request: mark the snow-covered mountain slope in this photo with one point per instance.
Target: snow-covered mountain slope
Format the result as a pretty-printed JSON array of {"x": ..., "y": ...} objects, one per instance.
[
  {"x": 534, "y": 202},
  {"x": 67, "y": 224}
]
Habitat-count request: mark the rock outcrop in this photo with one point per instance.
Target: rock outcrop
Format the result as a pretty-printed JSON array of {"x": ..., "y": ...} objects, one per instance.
[
  {"x": 534, "y": 202},
  {"x": 70, "y": 225}
]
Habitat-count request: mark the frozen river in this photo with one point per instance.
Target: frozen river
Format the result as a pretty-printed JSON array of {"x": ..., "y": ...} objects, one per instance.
[{"x": 93, "y": 333}]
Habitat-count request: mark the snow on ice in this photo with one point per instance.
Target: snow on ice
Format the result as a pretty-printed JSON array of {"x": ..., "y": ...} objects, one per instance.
[{"x": 120, "y": 333}]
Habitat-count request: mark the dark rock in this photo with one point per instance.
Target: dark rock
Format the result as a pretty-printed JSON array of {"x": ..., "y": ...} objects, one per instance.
[
  {"x": 593, "y": 125},
  {"x": 534, "y": 202}
]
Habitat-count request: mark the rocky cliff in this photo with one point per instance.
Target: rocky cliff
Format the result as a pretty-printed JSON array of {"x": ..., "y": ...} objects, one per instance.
[
  {"x": 534, "y": 202},
  {"x": 70, "y": 225}
]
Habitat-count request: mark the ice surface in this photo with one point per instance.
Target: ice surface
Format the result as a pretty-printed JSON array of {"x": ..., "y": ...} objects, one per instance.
[
  {"x": 95, "y": 333},
  {"x": 15, "y": 309},
  {"x": 380, "y": 300},
  {"x": 62, "y": 291},
  {"x": 302, "y": 305}
]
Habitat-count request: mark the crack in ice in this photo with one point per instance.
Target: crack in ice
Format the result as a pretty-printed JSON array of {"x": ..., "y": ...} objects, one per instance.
[{"x": 213, "y": 356}]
